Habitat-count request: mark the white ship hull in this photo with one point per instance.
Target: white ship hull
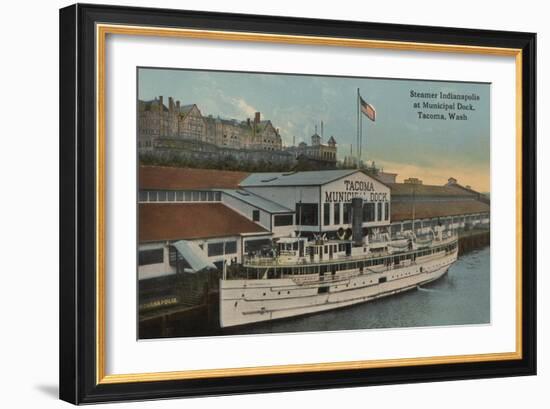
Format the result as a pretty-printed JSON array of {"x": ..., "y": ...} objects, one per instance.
[{"x": 247, "y": 301}]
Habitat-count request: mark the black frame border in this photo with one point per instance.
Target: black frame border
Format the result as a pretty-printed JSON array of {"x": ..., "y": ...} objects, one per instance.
[{"x": 77, "y": 149}]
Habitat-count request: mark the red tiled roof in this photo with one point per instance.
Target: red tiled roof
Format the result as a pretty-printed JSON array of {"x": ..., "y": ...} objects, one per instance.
[
  {"x": 403, "y": 210},
  {"x": 406, "y": 189},
  {"x": 164, "y": 177},
  {"x": 176, "y": 221}
]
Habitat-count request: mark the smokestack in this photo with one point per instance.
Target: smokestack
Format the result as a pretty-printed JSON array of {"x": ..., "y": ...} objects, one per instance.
[
  {"x": 257, "y": 117},
  {"x": 322, "y": 129},
  {"x": 357, "y": 220},
  {"x": 171, "y": 104},
  {"x": 161, "y": 103},
  {"x": 178, "y": 106},
  {"x": 248, "y": 121}
]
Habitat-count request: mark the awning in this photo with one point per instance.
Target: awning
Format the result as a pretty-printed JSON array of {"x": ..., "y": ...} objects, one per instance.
[{"x": 193, "y": 254}]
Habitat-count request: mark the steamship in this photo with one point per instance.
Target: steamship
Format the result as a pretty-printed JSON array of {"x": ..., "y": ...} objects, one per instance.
[{"x": 302, "y": 275}]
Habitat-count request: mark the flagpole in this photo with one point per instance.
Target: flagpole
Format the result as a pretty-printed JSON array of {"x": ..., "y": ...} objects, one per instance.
[
  {"x": 358, "y": 119},
  {"x": 361, "y": 135}
]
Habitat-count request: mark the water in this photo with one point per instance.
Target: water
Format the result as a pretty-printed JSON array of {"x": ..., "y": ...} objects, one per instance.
[{"x": 461, "y": 297}]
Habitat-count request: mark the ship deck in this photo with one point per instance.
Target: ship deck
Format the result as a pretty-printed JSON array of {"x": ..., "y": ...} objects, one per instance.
[{"x": 270, "y": 262}]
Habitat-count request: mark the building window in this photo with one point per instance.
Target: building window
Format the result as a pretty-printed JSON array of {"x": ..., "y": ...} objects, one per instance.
[
  {"x": 256, "y": 215},
  {"x": 368, "y": 212},
  {"x": 162, "y": 196},
  {"x": 395, "y": 228},
  {"x": 283, "y": 220},
  {"x": 347, "y": 213},
  {"x": 222, "y": 247},
  {"x": 337, "y": 214},
  {"x": 326, "y": 214},
  {"x": 179, "y": 196},
  {"x": 230, "y": 247},
  {"x": 143, "y": 196},
  {"x": 256, "y": 245},
  {"x": 171, "y": 196},
  {"x": 215, "y": 249},
  {"x": 307, "y": 214},
  {"x": 379, "y": 211},
  {"x": 386, "y": 211},
  {"x": 147, "y": 257}
]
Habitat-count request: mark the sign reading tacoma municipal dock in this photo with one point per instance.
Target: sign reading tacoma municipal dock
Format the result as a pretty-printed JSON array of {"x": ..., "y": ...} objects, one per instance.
[
  {"x": 277, "y": 202},
  {"x": 356, "y": 189}
]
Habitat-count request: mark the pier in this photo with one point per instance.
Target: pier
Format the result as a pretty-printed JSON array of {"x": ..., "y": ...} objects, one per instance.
[
  {"x": 473, "y": 239},
  {"x": 202, "y": 318}
]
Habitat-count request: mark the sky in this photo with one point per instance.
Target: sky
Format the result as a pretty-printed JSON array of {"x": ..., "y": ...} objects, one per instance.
[{"x": 398, "y": 141}]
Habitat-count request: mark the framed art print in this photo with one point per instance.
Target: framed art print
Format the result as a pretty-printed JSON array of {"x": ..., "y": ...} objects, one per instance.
[{"x": 257, "y": 203}]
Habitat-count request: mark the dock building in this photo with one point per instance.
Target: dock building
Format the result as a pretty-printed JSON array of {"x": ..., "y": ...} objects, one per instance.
[{"x": 214, "y": 217}]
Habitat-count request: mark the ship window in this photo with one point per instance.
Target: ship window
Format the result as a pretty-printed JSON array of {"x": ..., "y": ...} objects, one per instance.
[
  {"x": 256, "y": 215},
  {"x": 147, "y": 257},
  {"x": 326, "y": 214}
]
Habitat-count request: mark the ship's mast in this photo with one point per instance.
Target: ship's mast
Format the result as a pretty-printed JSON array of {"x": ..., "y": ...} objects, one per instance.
[{"x": 414, "y": 208}]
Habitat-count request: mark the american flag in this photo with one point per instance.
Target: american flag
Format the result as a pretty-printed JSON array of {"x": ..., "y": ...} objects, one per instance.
[{"x": 368, "y": 109}]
